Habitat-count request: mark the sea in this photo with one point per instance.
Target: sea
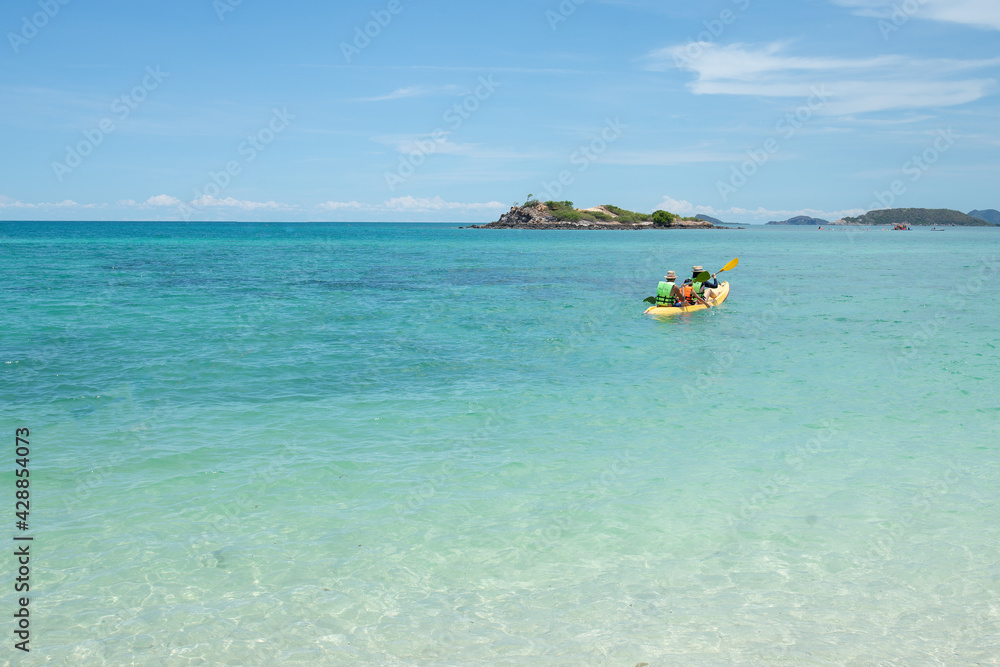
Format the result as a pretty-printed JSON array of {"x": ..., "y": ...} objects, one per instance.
[{"x": 415, "y": 444}]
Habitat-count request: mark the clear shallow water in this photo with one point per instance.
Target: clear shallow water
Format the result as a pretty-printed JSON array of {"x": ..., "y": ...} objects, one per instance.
[{"x": 418, "y": 445}]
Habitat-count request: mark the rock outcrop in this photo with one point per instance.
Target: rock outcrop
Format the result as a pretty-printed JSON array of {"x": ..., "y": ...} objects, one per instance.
[
  {"x": 533, "y": 217},
  {"x": 539, "y": 217}
]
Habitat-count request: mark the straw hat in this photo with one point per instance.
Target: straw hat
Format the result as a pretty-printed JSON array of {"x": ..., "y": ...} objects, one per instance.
[
  {"x": 697, "y": 269},
  {"x": 670, "y": 275}
]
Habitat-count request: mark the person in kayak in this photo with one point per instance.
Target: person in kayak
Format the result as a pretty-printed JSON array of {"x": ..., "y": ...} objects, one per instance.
[
  {"x": 707, "y": 288},
  {"x": 690, "y": 295},
  {"x": 668, "y": 293}
]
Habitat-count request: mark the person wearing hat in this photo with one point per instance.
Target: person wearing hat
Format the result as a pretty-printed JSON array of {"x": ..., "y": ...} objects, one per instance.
[
  {"x": 667, "y": 292},
  {"x": 707, "y": 288}
]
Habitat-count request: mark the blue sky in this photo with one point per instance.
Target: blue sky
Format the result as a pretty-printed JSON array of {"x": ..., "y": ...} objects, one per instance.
[{"x": 406, "y": 110}]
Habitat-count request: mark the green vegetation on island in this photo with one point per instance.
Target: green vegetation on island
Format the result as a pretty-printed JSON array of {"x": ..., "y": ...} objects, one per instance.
[
  {"x": 535, "y": 214},
  {"x": 563, "y": 211},
  {"x": 916, "y": 217}
]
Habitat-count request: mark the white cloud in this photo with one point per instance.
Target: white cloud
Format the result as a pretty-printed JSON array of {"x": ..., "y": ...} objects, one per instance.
[
  {"x": 410, "y": 204},
  {"x": 160, "y": 200},
  {"x": 414, "y": 91},
  {"x": 340, "y": 205},
  {"x": 415, "y": 143},
  {"x": 983, "y": 14},
  {"x": 669, "y": 158},
  {"x": 891, "y": 122},
  {"x": 683, "y": 207},
  {"x": 6, "y": 202},
  {"x": 244, "y": 209},
  {"x": 207, "y": 201},
  {"x": 757, "y": 215},
  {"x": 420, "y": 204},
  {"x": 438, "y": 143},
  {"x": 741, "y": 62},
  {"x": 852, "y": 85}
]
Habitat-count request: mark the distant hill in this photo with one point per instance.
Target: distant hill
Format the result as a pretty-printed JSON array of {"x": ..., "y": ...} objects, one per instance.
[
  {"x": 989, "y": 215},
  {"x": 915, "y": 217},
  {"x": 801, "y": 220},
  {"x": 708, "y": 218}
]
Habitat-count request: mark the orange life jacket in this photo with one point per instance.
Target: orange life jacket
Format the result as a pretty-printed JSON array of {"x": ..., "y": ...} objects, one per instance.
[{"x": 688, "y": 292}]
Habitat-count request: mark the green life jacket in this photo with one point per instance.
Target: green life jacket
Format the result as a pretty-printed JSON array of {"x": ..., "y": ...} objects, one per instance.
[
  {"x": 663, "y": 291},
  {"x": 698, "y": 288}
]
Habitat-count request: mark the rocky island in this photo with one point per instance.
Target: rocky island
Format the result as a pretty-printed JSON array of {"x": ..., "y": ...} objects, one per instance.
[{"x": 534, "y": 214}]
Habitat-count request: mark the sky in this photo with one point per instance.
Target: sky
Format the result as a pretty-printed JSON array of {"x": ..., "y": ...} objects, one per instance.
[{"x": 423, "y": 111}]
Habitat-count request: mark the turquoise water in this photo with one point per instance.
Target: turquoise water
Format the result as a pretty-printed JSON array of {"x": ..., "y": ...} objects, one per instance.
[{"x": 419, "y": 445}]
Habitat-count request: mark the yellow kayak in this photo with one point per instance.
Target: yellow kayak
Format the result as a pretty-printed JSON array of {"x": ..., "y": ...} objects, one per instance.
[{"x": 663, "y": 311}]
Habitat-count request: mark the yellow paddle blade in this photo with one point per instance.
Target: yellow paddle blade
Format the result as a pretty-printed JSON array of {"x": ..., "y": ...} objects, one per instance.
[{"x": 731, "y": 265}]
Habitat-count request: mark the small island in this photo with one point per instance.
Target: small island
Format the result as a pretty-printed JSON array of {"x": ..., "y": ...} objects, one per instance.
[
  {"x": 800, "y": 220},
  {"x": 534, "y": 214},
  {"x": 923, "y": 217}
]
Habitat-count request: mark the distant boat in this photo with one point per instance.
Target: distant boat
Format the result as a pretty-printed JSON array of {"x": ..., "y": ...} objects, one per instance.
[{"x": 901, "y": 227}]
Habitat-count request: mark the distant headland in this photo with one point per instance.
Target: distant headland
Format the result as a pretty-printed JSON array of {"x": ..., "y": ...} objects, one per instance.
[
  {"x": 990, "y": 215},
  {"x": 923, "y": 217},
  {"x": 944, "y": 217},
  {"x": 800, "y": 220},
  {"x": 534, "y": 214}
]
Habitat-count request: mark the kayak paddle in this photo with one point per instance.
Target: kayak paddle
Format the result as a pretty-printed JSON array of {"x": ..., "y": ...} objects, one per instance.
[
  {"x": 732, "y": 265},
  {"x": 705, "y": 275},
  {"x": 700, "y": 278}
]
